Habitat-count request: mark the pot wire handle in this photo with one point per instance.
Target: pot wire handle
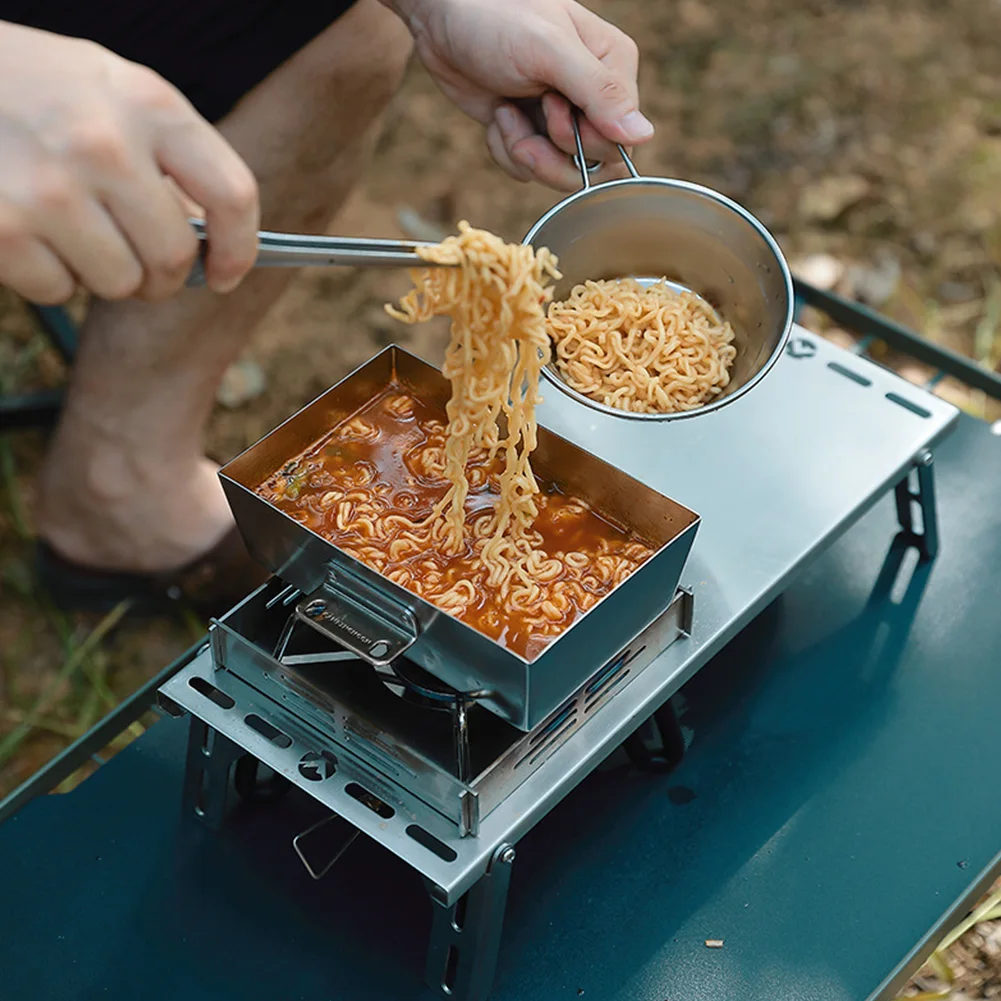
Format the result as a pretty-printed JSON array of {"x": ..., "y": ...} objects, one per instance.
[
  {"x": 532, "y": 108},
  {"x": 586, "y": 169}
]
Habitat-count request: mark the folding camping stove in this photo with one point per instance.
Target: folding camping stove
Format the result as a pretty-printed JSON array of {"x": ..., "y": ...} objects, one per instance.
[{"x": 449, "y": 786}]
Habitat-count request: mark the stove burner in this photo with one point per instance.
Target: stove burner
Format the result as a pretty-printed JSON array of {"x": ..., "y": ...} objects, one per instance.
[
  {"x": 415, "y": 685},
  {"x": 411, "y": 682},
  {"x": 402, "y": 677}
]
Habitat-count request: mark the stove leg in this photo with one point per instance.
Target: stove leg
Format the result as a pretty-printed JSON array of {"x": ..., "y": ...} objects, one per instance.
[
  {"x": 670, "y": 749},
  {"x": 208, "y": 773},
  {"x": 926, "y": 539},
  {"x": 465, "y": 938}
]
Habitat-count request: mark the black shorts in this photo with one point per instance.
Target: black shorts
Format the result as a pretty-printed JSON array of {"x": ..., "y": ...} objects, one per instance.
[{"x": 213, "y": 51}]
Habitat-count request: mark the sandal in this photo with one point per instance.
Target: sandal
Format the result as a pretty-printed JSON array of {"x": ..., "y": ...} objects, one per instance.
[{"x": 210, "y": 584}]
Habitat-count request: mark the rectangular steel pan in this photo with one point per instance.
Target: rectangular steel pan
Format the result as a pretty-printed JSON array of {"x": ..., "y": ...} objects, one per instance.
[{"x": 380, "y": 620}]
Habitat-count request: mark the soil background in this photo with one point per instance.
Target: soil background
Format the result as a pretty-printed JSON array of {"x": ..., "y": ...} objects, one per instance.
[{"x": 866, "y": 135}]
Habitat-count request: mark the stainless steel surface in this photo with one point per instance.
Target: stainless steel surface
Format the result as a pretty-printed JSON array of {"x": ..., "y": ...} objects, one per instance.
[
  {"x": 401, "y": 780},
  {"x": 779, "y": 477},
  {"x": 295, "y": 250},
  {"x": 403, "y": 750},
  {"x": 520, "y": 691},
  {"x": 379, "y": 631},
  {"x": 655, "y": 227}
]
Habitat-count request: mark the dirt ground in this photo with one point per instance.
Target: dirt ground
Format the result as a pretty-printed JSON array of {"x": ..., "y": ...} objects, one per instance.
[{"x": 866, "y": 135}]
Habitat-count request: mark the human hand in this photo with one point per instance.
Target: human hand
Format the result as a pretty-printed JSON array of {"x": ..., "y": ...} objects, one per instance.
[
  {"x": 94, "y": 151},
  {"x": 485, "y": 53}
]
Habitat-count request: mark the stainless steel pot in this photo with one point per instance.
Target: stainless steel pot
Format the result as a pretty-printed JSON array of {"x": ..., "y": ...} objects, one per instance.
[
  {"x": 655, "y": 227},
  {"x": 379, "y": 620}
]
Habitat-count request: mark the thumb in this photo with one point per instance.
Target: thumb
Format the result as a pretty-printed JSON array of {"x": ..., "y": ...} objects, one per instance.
[{"x": 609, "y": 99}]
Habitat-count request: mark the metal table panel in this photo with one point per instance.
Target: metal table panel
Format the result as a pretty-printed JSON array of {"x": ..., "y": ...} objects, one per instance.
[
  {"x": 801, "y": 458},
  {"x": 836, "y": 804},
  {"x": 774, "y": 475}
]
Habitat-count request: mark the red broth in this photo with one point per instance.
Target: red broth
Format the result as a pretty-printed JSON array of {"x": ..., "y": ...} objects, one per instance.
[{"x": 364, "y": 482}]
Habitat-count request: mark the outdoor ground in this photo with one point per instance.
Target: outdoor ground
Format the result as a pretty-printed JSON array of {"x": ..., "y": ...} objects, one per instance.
[{"x": 866, "y": 135}]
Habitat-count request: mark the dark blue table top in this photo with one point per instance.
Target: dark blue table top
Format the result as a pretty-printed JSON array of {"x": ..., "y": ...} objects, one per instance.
[{"x": 836, "y": 802}]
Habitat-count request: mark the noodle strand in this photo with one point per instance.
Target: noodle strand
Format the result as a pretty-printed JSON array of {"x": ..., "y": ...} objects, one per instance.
[{"x": 496, "y": 300}]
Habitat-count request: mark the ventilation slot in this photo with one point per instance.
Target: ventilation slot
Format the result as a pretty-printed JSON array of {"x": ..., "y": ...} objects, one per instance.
[
  {"x": 849, "y": 374},
  {"x": 555, "y": 722},
  {"x": 610, "y": 683},
  {"x": 451, "y": 968},
  {"x": 600, "y": 678},
  {"x": 914, "y": 408},
  {"x": 608, "y": 678},
  {"x": 202, "y": 797},
  {"x": 370, "y": 800},
  {"x": 265, "y": 729},
  {"x": 567, "y": 722},
  {"x": 459, "y": 912},
  {"x": 213, "y": 694},
  {"x": 431, "y": 843}
]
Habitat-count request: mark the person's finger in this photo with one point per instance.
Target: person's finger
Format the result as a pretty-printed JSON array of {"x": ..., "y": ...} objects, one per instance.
[
  {"x": 95, "y": 250},
  {"x": 546, "y": 163},
  {"x": 155, "y": 222},
  {"x": 30, "y": 268},
  {"x": 508, "y": 122},
  {"x": 211, "y": 173},
  {"x": 538, "y": 157},
  {"x": 552, "y": 167},
  {"x": 607, "y": 97},
  {"x": 613, "y": 47},
  {"x": 560, "y": 128},
  {"x": 529, "y": 153},
  {"x": 73, "y": 224},
  {"x": 192, "y": 210}
]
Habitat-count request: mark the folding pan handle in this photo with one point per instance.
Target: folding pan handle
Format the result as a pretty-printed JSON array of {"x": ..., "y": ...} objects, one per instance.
[{"x": 370, "y": 624}]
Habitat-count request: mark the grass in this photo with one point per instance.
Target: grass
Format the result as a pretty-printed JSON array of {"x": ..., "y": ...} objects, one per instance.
[
  {"x": 78, "y": 655},
  {"x": 939, "y": 979}
]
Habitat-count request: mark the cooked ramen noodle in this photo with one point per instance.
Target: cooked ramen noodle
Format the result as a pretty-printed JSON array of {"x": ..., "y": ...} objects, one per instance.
[
  {"x": 450, "y": 509},
  {"x": 496, "y": 299},
  {"x": 641, "y": 349},
  {"x": 371, "y": 487}
]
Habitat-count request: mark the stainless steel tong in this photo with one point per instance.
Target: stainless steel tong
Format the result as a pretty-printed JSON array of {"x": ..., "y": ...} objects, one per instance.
[{"x": 293, "y": 250}]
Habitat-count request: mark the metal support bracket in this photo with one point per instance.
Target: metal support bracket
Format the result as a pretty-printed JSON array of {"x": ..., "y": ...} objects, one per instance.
[
  {"x": 924, "y": 538},
  {"x": 465, "y": 938},
  {"x": 208, "y": 773},
  {"x": 332, "y": 835},
  {"x": 668, "y": 748}
]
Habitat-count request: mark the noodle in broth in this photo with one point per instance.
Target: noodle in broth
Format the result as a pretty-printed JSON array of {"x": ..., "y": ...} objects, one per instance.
[{"x": 450, "y": 509}]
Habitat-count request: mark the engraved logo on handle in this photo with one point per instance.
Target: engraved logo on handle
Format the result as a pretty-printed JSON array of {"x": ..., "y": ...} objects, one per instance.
[{"x": 349, "y": 623}]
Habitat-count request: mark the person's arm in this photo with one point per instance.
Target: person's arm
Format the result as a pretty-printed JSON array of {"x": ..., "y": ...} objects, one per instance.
[
  {"x": 88, "y": 139},
  {"x": 484, "y": 53},
  {"x": 86, "y": 142}
]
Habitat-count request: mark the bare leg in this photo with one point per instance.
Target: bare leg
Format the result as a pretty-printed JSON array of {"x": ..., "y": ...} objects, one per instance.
[{"x": 126, "y": 485}]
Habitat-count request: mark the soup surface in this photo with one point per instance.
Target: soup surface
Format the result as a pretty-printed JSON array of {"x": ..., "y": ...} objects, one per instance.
[{"x": 369, "y": 487}]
